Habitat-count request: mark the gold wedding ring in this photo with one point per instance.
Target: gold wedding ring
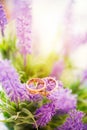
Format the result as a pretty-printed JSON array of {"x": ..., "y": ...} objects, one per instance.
[
  {"x": 44, "y": 83},
  {"x": 49, "y": 81},
  {"x": 36, "y": 82}
]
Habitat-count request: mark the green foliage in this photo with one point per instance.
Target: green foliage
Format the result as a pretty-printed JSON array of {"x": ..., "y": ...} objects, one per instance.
[
  {"x": 35, "y": 66},
  {"x": 16, "y": 114},
  {"x": 7, "y": 48},
  {"x": 20, "y": 116}
]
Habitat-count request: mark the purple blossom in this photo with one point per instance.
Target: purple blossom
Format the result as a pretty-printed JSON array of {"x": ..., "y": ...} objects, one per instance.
[
  {"x": 50, "y": 83},
  {"x": 44, "y": 114},
  {"x": 84, "y": 76},
  {"x": 15, "y": 90},
  {"x": 71, "y": 40},
  {"x": 79, "y": 39},
  {"x": 57, "y": 69},
  {"x": 9, "y": 79},
  {"x": 68, "y": 18},
  {"x": 3, "y": 19},
  {"x": 23, "y": 24},
  {"x": 73, "y": 122},
  {"x": 85, "y": 127},
  {"x": 63, "y": 99}
]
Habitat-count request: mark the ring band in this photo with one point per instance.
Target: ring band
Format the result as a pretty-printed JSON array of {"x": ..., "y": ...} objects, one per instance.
[
  {"x": 52, "y": 80},
  {"x": 38, "y": 82},
  {"x": 45, "y": 87}
]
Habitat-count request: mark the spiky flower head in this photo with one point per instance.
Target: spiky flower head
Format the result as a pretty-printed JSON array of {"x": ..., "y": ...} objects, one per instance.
[
  {"x": 84, "y": 75},
  {"x": 44, "y": 114},
  {"x": 73, "y": 122},
  {"x": 3, "y": 19},
  {"x": 57, "y": 69},
  {"x": 63, "y": 99},
  {"x": 71, "y": 39},
  {"x": 23, "y": 25},
  {"x": 15, "y": 90},
  {"x": 60, "y": 99}
]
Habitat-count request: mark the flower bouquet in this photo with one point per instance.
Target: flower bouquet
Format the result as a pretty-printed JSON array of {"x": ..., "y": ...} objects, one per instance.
[{"x": 39, "y": 93}]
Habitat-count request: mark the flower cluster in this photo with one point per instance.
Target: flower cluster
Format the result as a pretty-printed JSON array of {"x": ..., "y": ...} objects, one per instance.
[
  {"x": 60, "y": 99},
  {"x": 3, "y": 19},
  {"x": 10, "y": 81},
  {"x": 23, "y": 24},
  {"x": 45, "y": 114},
  {"x": 71, "y": 40},
  {"x": 73, "y": 122},
  {"x": 9, "y": 78},
  {"x": 63, "y": 99},
  {"x": 57, "y": 69}
]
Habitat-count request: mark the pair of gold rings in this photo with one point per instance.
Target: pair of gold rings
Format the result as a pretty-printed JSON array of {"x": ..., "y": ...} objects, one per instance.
[{"x": 39, "y": 86}]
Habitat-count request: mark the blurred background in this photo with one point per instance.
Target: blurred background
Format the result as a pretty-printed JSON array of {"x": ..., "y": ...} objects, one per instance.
[
  {"x": 49, "y": 26},
  {"x": 52, "y": 21}
]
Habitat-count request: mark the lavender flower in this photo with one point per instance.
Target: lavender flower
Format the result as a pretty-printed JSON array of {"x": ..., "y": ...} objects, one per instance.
[
  {"x": 84, "y": 75},
  {"x": 71, "y": 40},
  {"x": 68, "y": 19},
  {"x": 3, "y": 19},
  {"x": 44, "y": 114},
  {"x": 63, "y": 99},
  {"x": 10, "y": 81},
  {"x": 85, "y": 127},
  {"x": 60, "y": 100},
  {"x": 58, "y": 68},
  {"x": 79, "y": 39},
  {"x": 9, "y": 78},
  {"x": 73, "y": 122},
  {"x": 23, "y": 23}
]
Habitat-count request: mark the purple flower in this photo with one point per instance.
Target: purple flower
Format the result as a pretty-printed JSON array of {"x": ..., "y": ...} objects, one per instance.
[
  {"x": 84, "y": 75},
  {"x": 9, "y": 79},
  {"x": 79, "y": 39},
  {"x": 3, "y": 19},
  {"x": 15, "y": 90},
  {"x": 73, "y": 122},
  {"x": 68, "y": 19},
  {"x": 58, "y": 68},
  {"x": 44, "y": 114},
  {"x": 71, "y": 40},
  {"x": 63, "y": 99},
  {"x": 23, "y": 24},
  {"x": 85, "y": 127}
]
